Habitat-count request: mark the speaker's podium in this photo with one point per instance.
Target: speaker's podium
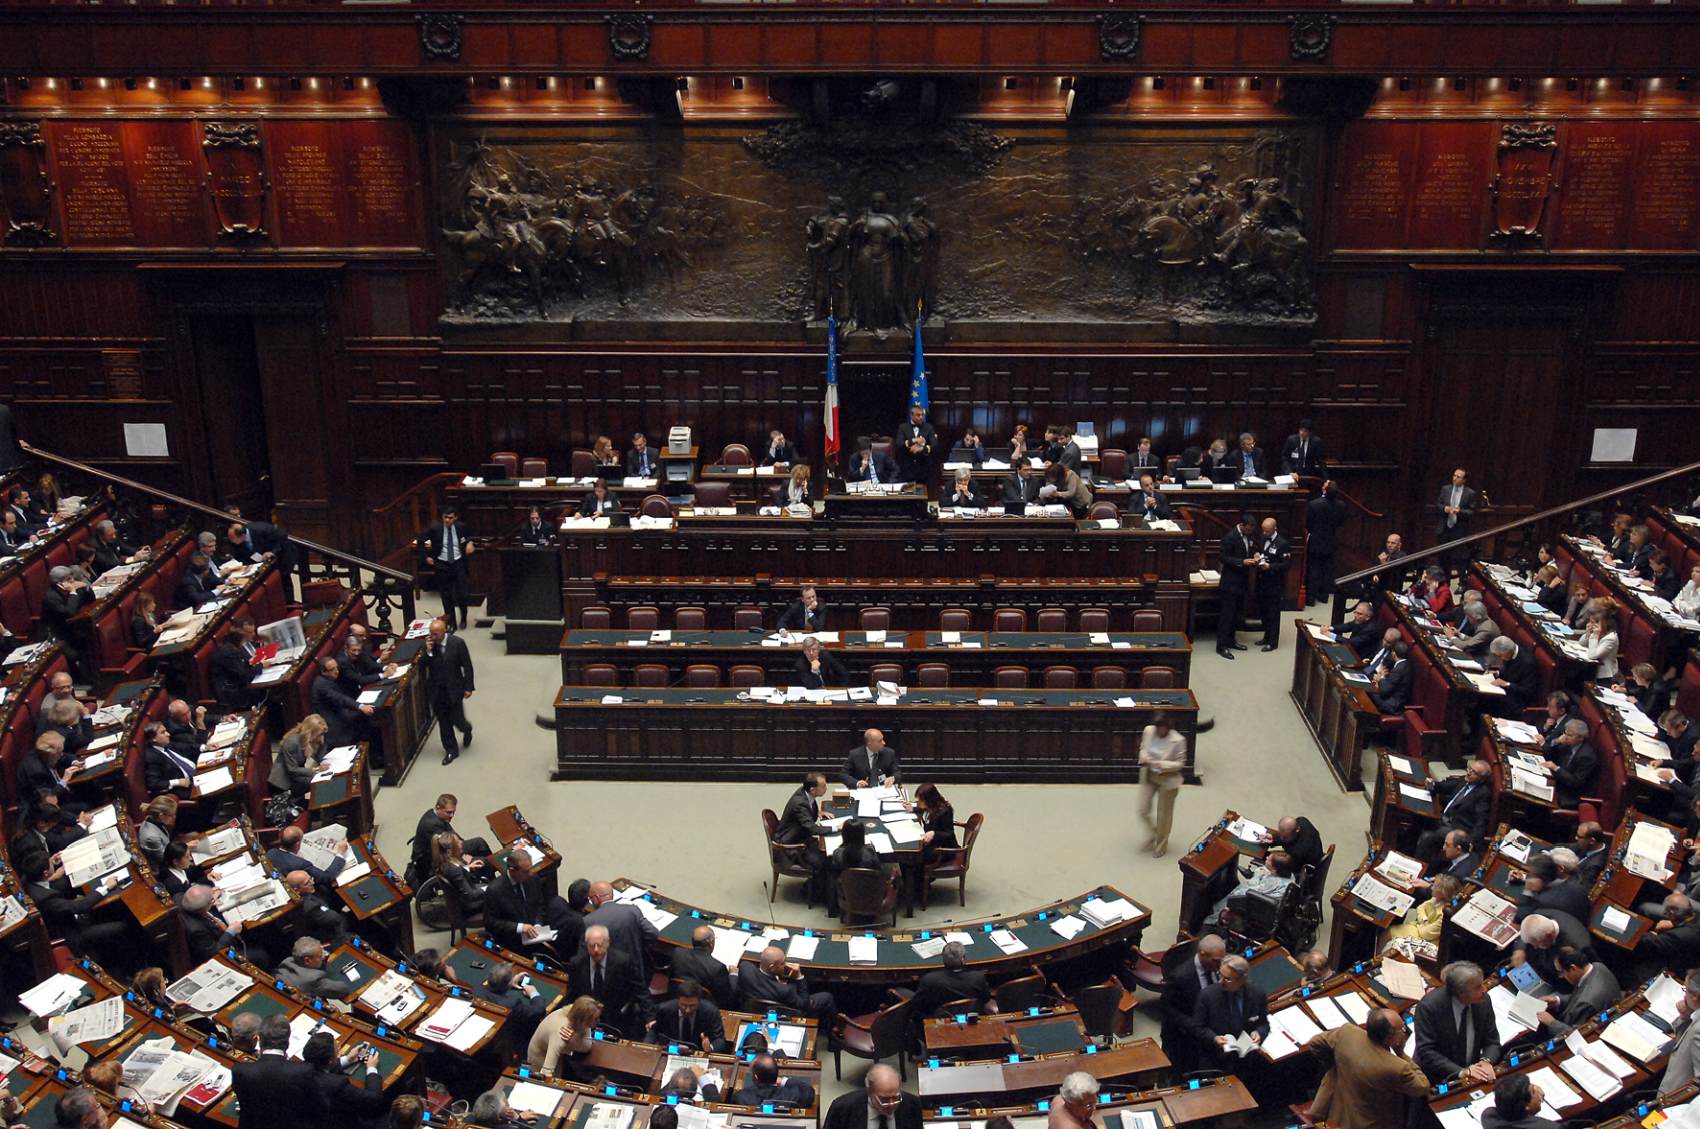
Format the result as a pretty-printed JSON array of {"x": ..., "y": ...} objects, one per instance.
[{"x": 531, "y": 586}]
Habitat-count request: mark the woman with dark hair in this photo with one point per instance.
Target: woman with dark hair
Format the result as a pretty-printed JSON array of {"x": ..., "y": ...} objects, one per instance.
[
  {"x": 938, "y": 821},
  {"x": 1433, "y": 589},
  {"x": 598, "y": 503},
  {"x": 177, "y": 870},
  {"x": 144, "y": 622}
]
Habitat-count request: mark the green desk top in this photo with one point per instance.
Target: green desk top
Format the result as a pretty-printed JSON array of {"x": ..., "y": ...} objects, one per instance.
[
  {"x": 890, "y": 640},
  {"x": 1049, "y": 1037}
]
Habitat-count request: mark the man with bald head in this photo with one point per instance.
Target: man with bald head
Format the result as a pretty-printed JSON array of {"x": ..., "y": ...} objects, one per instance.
[
  {"x": 1298, "y": 836},
  {"x": 773, "y": 980},
  {"x": 882, "y": 1105},
  {"x": 1369, "y": 1081},
  {"x": 610, "y": 977},
  {"x": 59, "y": 689},
  {"x": 319, "y": 919},
  {"x": 872, "y": 763},
  {"x": 628, "y": 929},
  {"x": 698, "y": 963}
]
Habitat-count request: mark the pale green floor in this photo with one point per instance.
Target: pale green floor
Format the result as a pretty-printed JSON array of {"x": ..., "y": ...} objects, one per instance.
[{"x": 702, "y": 841}]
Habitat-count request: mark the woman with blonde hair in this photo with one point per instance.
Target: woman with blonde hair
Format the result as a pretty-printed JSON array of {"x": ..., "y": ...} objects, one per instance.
[
  {"x": 451, "y": 863},
  {"x": 47, "y": 493},
  {"x": 603, "y": 452},
  {"x": 1424, "y": 921},
  {"x": 144, "y": 622},
  {"x": 1550, "y": 589},
  {"x": 797, "y": 489},
  {"x": 1599, "y": 638},
  {"x": 296, "y": 757},
  {"x": 561, "y": 1044}
]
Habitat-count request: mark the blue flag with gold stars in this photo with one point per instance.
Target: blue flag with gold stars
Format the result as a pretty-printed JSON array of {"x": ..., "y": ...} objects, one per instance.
[{"x": 918, "y": 373}]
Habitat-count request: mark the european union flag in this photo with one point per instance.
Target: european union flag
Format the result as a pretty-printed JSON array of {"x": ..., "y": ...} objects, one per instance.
[{"x": 918, "y": 393}]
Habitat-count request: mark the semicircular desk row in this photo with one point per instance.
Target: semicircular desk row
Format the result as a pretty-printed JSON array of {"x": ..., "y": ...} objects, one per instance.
[{"x": 1002, "y": 945}]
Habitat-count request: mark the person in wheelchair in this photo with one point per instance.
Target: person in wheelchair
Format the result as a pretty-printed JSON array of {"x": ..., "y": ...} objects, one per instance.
[
  {"x": 462, "y": 873},
  {"x": 1269, "y": 882}
]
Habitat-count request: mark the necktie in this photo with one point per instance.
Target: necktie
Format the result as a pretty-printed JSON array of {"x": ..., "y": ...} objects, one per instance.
[
  {"x": 1304, "y": 447},
  {"x": 1239, "y": 1012},
  {"x": 451, "y": 545},
  {"x": 1462, "y": 792},
  {"x": 873, "y": 470},
  {"x": 1467, "y": 1036},
  {"x": 595, "y": 977},
  {"x": 885, "y": 1121}
]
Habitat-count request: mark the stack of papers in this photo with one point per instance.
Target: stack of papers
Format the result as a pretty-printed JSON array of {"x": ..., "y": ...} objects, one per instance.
[
  {"x": 1382, "y": 896},
  {"x": 443, "y": 1022},
  {"x": 1649, "y": 847},
  {"x": 1104, "y": 914},
  {"x": 864, "y": 949},
  {"x": 1008, "y": 943},
  {"x": 1488, "y": 916},
  {"x": 1632, "y": 1034},
  {"x": 209, "y": 987}
]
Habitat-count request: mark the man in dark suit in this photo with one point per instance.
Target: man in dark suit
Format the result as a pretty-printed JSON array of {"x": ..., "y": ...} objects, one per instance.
[
  {"x": 1020, "y": 487},
  {"x": 764, "y": 1086},
  {"x": 66, "y": 595},
  {"x": 232, "y": 670},
  {"x": 915, "y": 442},
  {"x": 69, "y": 914},
  {"x": 805, "y": 613},
  {"x": 1298, "y": 836},
  {"x": 1249, "y": 461},
  {"x": 1360, "y": 631},
  {"x": 779, "y": 450},
  {"x": 1573, "y": 763},
  {"x": 1456, "y": 1032},
  {"x": 515, "y": 906},
  {"x": 46, "y": 827},
  {"x": 690, "y": 1021},
  {"x": 1458, "y": 504},
  {"x": 350, "y": 1105},
  {"x": 1544, "y": 890},
  {"x": 1228, "y": 1008},
  {"x": 207, "y": 931},
  {"x": 641, "y": 461},
  {"x": 1391, "y": 690},
  {"x": 883, "y": 1106},
  {"x": 799, "y": 825},
  {"x": 109, "y": 551},
  {"x": 43, "y": 768},
  {"x": 1542, "y": 935},
  {"x": 1591, "y": 847},
  {"x": 1070, "y": 455},
  {"x": 344, "y": 715},
  {"x": 1674, "y": 942},
  {"x": 628, "y": 929},
  {"x": 817, "y": 668},
  {"x": 1518, "y": 674},
  {"x": 698, "y": 964},
  {"x": 1301, "y": 454},
  {"x": 357, "y": 668},
  {"x": 1144, "y": 457},
  {"x": 1187, "y": 971},
  {"x": 951, "y": 983},
  {"x": 12, "y": 535},
  {"x": 772, "y": 980},
  {"x": 610, "y": 977},
  {"x": 286, "y": 857},
  {"x": 164, "y": 769},
  {"x": 449, "y": 547},
  {"x": 872, "y": 763},
  {"x": 186, "y": 727},
  {"x": 1236, "y": 559},
  {"x": 869, "y": 465},
  {"x": 274, "y": 1093},
  {"x": 1149, "y": 502},
  {"x": 536, "y": 531},
  {"x": 325, "y": 921},
  {"x": 304, "y": 970},
  {"x": 448, "y": 683},
  {"x": 524, "y": 1002},
  {"x": 198, "y": 584},
  {"x": 1270, "y": 585},
  {"x": 431, "y": 824},
  {"x": 1324, "y": 515},
  {"x": 1462, "y": 804},
  {"x": 1458, "y": 858}
]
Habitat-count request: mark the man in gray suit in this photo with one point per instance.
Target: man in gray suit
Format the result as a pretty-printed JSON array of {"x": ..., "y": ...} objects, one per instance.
[
  {"x": 1478, "y": 632},
  {"x": 305, "y": 971},
  {"x": 1684, "y": 1065},
  {"x": 1593, "y": 989},
  {"x": 628, "y": 929},
  {"x": 1457, "y": 508}
]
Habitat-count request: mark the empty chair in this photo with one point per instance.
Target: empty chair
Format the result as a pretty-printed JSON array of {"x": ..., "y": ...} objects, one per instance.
[
  {"x": 933, "y": 676},
  {"x": 644, "y": 617},
  {"x": 875, "y": 1036},
  {"x": 955, "y": 619},
  {"x": 1104, "y": 511},
  {"x": 654, "y": 505},
  {"x": 702, "y": 676},
  {"x": 1009, "y": 619},
  {"x": 746, "y": 618},
  {"x": 886, "y": 672},
  {"x": 1094, "y": 619},
  {"x": 735, "y": 454},
  {"x": 714, "y": 495},
  {"x": 690, "y": 619},
  {"x": 1109, "y": 678},
  {"x": 596, "y": 619},
  {"x": 1159, "y": 678},
  {"x": 601, "y": 674},
  {"x": 1147, "y": 619},
  {"x": 1061, "y": 678},
  {"x": 874, "y": 619},
  {"x": 1112, "y": 464},
  {"x": 582, "y": 464},
  {"x": 1052, "y": 619},
  {"x": 1010, "y": 678},
  {"x": 743, "y": 675},
  {"x": 651, "y": 676},
  {"x": 534, "y": 468},
  {"x": 509, "y": 461}
]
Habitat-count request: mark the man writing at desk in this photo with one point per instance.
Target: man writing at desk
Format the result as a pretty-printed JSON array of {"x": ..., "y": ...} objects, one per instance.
[{"x": 872, "y": 763}]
